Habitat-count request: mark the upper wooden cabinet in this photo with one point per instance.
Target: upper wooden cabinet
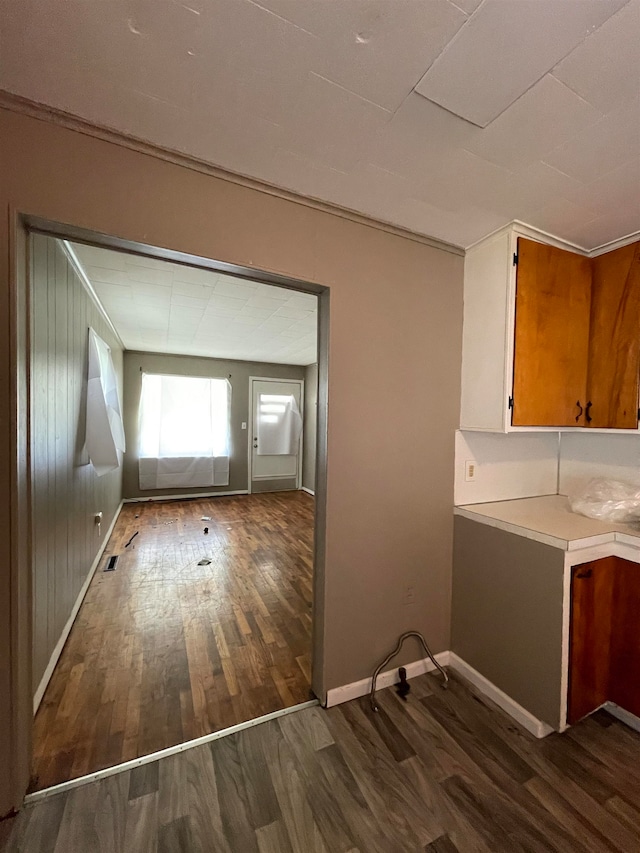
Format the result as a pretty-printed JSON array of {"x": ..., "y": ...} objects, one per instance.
[
  {"x": 551, "y": 337},
  {"x": 614, "y": 339},
  {"x": 553, "y": 303}
]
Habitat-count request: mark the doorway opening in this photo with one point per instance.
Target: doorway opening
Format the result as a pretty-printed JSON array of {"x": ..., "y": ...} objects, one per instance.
[{"x": 176, "y": 585}]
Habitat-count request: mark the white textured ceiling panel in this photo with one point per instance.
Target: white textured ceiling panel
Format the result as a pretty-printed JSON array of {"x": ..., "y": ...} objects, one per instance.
[
  {"x": 504, "y": 49},
  {"x": 543, "y": 118},
  {"x": 605, "y": 68},
  {"x": 619, "y": 186},
  {"x": 157, "y": 306},
  {"x": 605, "y": 228},
  {"x": 378, "y": 49},
  {"x": 319, "y": 97},
  {"x": 602, "y": 147}
]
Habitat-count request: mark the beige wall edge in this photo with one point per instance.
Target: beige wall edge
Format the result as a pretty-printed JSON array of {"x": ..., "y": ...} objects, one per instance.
[{"x": 17, "y": 104}]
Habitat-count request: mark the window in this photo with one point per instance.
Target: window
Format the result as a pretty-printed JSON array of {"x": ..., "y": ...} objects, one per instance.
[
  {"x": 183, "y": 431},
  {"x": 279, "y": 425}
]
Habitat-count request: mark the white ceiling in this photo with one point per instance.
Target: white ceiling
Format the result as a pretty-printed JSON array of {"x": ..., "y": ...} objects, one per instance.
[
  {"x": 157, "y": 306},
  {"x": 322, "y": 97}
]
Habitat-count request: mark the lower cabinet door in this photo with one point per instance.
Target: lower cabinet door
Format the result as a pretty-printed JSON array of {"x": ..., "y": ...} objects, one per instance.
[
  {"x": 624, "y": 687},
  {"x": 592, "y": 601}
]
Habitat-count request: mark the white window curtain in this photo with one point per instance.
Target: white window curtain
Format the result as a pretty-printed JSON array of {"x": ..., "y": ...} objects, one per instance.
[
  {"x": 183, "y": 432},
  {"x": 105, "y": 432}
]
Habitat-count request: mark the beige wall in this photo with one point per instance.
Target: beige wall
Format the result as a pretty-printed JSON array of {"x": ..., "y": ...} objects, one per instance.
[
  {"x": 66, "y": 491},
  {"x": 237, "y": 372},
  {"x": 507, "y": 614},
  {"x": 310, "y": 422},
  {"x": 394, "y": 377}
]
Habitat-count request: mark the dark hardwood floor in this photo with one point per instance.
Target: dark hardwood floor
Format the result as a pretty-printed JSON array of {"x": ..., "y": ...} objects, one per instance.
[
  {"x": 443, "y": 772},
  {"x": 191, "y": 633}
]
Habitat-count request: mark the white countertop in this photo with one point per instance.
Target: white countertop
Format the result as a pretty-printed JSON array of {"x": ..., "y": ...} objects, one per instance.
[{"x": 549, "y": 519}]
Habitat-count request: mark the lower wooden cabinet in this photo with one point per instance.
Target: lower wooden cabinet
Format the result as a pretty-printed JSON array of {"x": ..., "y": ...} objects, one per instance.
[
  {"x": 604, "y": 652},
  {"x": 625, "y": 636}
]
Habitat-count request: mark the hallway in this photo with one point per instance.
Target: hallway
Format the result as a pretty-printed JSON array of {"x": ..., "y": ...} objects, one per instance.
[{"x": 191, "y": 632}]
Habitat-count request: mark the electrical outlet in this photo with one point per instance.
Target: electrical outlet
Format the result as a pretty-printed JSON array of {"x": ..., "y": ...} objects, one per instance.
[{"x": 470, "y": 470}]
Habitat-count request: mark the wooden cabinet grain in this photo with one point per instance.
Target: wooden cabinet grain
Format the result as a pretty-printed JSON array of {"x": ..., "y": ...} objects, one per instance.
[
  {"x": 614, "y": 339},
  {"x": 604, "y": 648},
  {"x": 625, "y": 638},
  {"x": 551, "y": 349},
  {"x": 592, "y": 586}
]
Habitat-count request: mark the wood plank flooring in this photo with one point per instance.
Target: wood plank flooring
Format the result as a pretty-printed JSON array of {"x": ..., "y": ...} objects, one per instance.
[
  {"x": 191, "y": 633},
  {"x": 443, "y": 772}
]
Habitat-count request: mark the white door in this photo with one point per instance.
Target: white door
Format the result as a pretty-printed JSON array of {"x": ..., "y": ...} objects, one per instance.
[{"x": 276, "y": 438}]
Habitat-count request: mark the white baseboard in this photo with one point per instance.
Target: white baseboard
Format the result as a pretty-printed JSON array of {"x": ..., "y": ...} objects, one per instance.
[
  {"x": 185, "y": 497},
  {"x": 338, "y": 695},
  {"x": 510, "y": 706},
  {"x": 308, "y": 491},
  {"x": 625, "y": 717},
  {"x": 53, "y": 660}
]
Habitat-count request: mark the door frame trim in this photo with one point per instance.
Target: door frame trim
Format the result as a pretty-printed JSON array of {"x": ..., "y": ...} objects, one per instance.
[
  {"x": 18, "y": 491},
  {"x": 299, "y": 382}
]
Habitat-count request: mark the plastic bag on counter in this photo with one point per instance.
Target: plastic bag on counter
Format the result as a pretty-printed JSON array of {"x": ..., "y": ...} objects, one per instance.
[{"x": 608, "y": 500}]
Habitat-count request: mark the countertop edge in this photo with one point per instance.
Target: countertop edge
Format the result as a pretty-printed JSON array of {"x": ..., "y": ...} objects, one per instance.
[{"x": 546, "y": 538}]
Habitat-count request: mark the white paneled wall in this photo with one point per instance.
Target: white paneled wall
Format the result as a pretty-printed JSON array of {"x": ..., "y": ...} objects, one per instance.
[
  {"x": 516, "y": 465},
  {"x": 584, "y": 456},
  {"x": 66, "y": 491}
]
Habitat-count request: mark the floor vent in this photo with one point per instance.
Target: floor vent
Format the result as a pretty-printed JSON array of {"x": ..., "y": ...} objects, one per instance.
[{"x": 111, "y": 565}]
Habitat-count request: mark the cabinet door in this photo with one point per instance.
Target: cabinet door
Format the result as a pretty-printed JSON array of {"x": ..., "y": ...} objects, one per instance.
[
  {"x": 614, "y": 347},
  {"x": 592, "y": 599},
  {"x": 625, "y": 640},
  {"x": 551, "y": 350}
]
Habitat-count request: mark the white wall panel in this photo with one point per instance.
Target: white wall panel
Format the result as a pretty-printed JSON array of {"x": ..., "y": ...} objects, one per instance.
[
  {"x": 516, "y": 465},
  {"x": 584, "y": 456}
]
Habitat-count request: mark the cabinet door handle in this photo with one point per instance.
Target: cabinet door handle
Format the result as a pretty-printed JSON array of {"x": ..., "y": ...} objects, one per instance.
[
  {"x": 587, "y": 416},
  {"x": 579, "y": 415},
  {"x": 586, "y": 573}
]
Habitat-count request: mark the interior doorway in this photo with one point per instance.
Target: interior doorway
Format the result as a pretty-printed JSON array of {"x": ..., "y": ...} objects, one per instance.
[{"x": 216, "y": 559}]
